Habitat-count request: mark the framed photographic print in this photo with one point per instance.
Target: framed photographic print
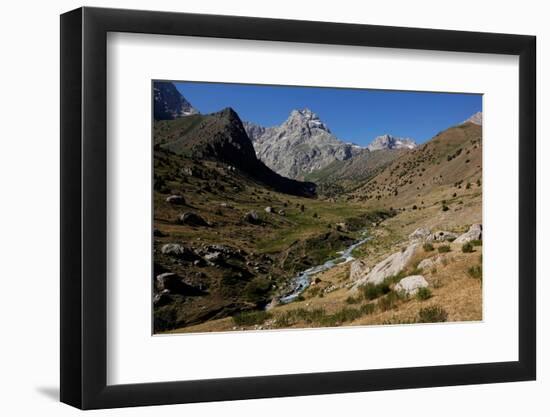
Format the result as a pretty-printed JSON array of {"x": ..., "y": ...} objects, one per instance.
[{"x": 257, "y": 208}]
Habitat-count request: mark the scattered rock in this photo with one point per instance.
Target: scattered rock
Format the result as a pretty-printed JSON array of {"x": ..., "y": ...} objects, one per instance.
[
  {"x": 176, "y": 200},
  {"x": 252, "y": 218},
  {"x": 282, "y": 212},
  {"x": 420, "y": 234},
  {"x": 268, "y": 209},
  {"x": 474, "y": 233},
  {"x": 410, "y": 285},
  {"x": 392, "y": 265},
  {"x": 192, "y": 219},
  {"x": 357, "y": 270}
]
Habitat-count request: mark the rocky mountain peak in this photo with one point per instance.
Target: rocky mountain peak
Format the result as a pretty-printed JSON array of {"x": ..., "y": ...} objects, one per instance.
[
  {"x": 304, "y": 119},
  {"x": 169, "y": 103},
  {"x": 388, "y": 141},
  {"x": 476, "y": 118}
]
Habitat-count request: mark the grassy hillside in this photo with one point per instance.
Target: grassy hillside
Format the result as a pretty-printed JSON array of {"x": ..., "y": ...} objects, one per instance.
[
  {"x": 344, "y": 176},
  {"x": 442, "y": 171}
]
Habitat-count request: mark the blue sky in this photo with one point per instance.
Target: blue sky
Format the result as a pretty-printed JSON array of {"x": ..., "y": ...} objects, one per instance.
[{"x": 353, "y": 115}]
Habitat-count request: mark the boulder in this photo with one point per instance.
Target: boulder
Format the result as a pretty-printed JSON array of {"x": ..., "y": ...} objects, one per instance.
[
  {"x": 442, "y": 236},
  {"x": 192, "y": 219},
  {"x": 392, "y": 265},
  {"x": 474, "y": 233},
  {"x": 252, "y": 217},
  {"x": 175, "y": 199},
  {"x": 420, "y": 234},
  {"x": 410, "y": 285},
  {"x": 169, "y": 282},
  {"x": 268, "y": 209},
  {"x": 431, "y": 262},
  {"x": 282, "y": 212},
  {"x": 357, "y": 270},
  {"x": 178, "y": 251}
]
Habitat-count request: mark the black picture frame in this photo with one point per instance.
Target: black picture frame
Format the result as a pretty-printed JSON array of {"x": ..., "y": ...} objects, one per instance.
[{"x": 84, "y": 207}]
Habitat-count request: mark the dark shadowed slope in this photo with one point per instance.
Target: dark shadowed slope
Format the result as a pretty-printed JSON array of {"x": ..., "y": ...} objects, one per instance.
[{"x": 222, "y": 137}]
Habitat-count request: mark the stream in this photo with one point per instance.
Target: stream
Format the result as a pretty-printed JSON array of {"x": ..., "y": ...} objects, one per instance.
[{"x": 302, "y": 280}]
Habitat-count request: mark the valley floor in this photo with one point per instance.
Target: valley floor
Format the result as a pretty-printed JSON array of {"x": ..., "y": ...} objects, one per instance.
[{"x": 454, "y": 281}]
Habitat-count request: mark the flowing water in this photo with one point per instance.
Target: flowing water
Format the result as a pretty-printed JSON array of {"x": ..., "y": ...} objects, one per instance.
[{"x": 302, "y": 280}]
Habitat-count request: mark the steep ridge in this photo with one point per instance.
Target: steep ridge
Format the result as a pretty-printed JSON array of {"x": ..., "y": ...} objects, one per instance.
[{"x": 222, "y": 137}]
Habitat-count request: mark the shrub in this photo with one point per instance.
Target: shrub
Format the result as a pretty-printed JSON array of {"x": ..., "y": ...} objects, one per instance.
[
  {"x": 432, "y": 314},
  {"x": 467, "y": 247},
  {"x": 445, "y": 208},
  {"x": 372, "y": 291},
  {"x": 389, "y": 301},
  {"x": 475, "y": 272},
  {"x": 367, "y": 308},
  {"x": 444, "y": 249},
  {"x": 476, "y": 242},
  {"x": 423, "y": 294},
  {"x": 352, "y": 300},
  {"x": 257, "y": 289},
  {"x": 251, "y": 318},
  {"x": 428, "y": 247}
]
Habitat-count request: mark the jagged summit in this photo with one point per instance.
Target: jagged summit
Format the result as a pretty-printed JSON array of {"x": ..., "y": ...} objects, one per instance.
[
  {"x": 169, "y": 103},
  {"x": 388, "y": 141},
  {"x": 476, "y": 118},
  {"x": 301, "y": 144},
  {"x": 305, "y": 118}
]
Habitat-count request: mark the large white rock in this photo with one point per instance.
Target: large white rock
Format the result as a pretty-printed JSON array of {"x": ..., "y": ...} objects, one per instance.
[
  {"x": 441, "y": 236},
  {"x": 392, "y": 265},
  {"x": 474, "y": 233},
  {"x": 410, "y": 285},
  {"x": 357, "y": 270},
  {"x": 420, "y": 234}
]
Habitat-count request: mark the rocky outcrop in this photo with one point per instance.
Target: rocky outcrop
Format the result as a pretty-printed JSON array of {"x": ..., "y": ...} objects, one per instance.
[
  {"x": 173, "y": 283},
  {"x": 474, "y": 233},
  {"x": 358, "y": 269},
  {"x": 391, "y": 142},
  {"x": 421, "y": 233},
  {"x": 392, "y": 265},
  {"x": 302, "y": 144},
  {"x": 411, "y": 284},
  {"x": 178, "y": 251},
  {"x": 442, "y": 236},
  {"x": 169, "y": 103},
  {"x": 252, "y": 217}
]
